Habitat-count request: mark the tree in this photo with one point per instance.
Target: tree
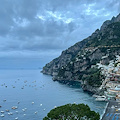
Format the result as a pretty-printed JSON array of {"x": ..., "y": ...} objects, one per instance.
[{"x": 72, "y": 112}]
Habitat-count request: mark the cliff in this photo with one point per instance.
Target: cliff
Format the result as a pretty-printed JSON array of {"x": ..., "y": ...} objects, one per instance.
[{"x": 79, "y": 61}]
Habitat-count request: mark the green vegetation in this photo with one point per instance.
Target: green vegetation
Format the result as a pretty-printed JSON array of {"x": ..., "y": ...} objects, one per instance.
[
  {"x": 61, "y": 72},
  {"x": 115, "y": 65},
  {"x": 72, "y": 112},
  {"x": 70, "y": 66},
  {"x": 94, "y": 62},
  {"x": 116, "y": 28},
  {"x": 110, "y": 36},
  {"x": 93, "y": 77}
]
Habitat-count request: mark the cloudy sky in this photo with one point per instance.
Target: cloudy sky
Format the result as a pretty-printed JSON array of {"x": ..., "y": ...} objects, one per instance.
[{"x": 34, "y": 30}]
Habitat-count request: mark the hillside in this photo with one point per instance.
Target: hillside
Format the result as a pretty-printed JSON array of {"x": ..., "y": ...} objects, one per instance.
[{"x": 79, "y": 61}]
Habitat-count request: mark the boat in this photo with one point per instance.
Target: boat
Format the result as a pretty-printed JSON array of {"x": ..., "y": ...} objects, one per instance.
[
  {"x": 16, "y": 118},
  {"x": 101, "y": 98},
  {"x": 32, "y": 102},
  {"x": 2, "y": 115},
  {"x": 40, "y": 104},
  {"x": 36, "y": 112},
  {"x": 2, "y": 111},
  {"x": 16, "y": 111},
  {"x": 10, "y": 113},
  {"x": 95, "y": 95},
  {"x": 23, "y": 110},
  {"x": 14, "y": 107},
  {"x": 7, "y": 110}
]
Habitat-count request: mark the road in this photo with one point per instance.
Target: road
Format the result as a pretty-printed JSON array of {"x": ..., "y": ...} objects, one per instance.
[{"x": 112, "y": 111}]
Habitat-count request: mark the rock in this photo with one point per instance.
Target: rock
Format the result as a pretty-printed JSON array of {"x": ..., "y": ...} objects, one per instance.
[{"x": 89, "y": 88}]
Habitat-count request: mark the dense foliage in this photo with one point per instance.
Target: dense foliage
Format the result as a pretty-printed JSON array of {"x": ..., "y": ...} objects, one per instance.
[
  {"x": 93, "y": 76},
  {"x": 72, "y": 112}
]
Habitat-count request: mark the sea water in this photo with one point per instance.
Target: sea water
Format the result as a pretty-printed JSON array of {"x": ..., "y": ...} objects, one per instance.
[{"x": 35, "y": 94}]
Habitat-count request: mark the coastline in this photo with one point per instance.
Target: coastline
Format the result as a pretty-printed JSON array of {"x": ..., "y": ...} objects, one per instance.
[{"x": 101, "y": 117}]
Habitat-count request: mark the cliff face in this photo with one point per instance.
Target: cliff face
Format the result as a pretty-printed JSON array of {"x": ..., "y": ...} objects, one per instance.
[
  {"x": 64, "y": 58},
  {"x": 78, "y": 61}
]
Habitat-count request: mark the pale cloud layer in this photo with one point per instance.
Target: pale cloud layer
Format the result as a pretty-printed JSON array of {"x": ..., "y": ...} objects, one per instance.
[{"x": 38, "y": 27}]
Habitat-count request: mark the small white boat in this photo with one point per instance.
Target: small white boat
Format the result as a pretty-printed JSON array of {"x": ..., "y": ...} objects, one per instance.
[
  {"x": 40, "y": 104},
  {"x": 2, "y": 115},
  {"x": 16, "y": 111},
  {"x": 100, "y": 98},
  {"x": 36, "y": 112},
  {"x": 2, "y": 111},
  {"x": 14, "y": 107},
  {"x": 23, "y": 110},
  {"x": 95, "y": 95},
  {"x": 32, "y": 102},
  {"x": 16, "y": 118},
  {"x": 10, "y": 113}
]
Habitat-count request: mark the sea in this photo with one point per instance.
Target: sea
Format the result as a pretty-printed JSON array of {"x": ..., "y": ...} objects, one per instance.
[{"x": 34, "y": 94}]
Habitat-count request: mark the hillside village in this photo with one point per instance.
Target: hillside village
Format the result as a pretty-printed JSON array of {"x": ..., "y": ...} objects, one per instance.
[{"x": 111, "y": 83}]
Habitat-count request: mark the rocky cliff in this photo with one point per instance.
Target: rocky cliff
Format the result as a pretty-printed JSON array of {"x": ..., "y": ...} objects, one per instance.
[{"x": 79, "y": 61}]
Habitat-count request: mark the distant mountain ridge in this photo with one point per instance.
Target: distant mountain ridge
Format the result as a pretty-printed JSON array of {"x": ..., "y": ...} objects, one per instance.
[{"x": 78, "y": 61}]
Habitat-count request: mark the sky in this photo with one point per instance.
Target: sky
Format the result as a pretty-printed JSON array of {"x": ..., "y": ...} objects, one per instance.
[{"x": 33, "y": 32}]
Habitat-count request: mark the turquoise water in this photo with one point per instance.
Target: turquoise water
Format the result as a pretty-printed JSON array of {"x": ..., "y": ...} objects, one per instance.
[{"x": 22, "y": 87}]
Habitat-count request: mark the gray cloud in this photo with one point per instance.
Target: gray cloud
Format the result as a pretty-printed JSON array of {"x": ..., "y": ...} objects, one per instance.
[{"x": 47, "y": 25}]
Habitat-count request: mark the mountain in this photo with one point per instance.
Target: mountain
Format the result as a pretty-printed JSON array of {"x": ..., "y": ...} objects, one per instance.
[{"x": 79, "y": 62}]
